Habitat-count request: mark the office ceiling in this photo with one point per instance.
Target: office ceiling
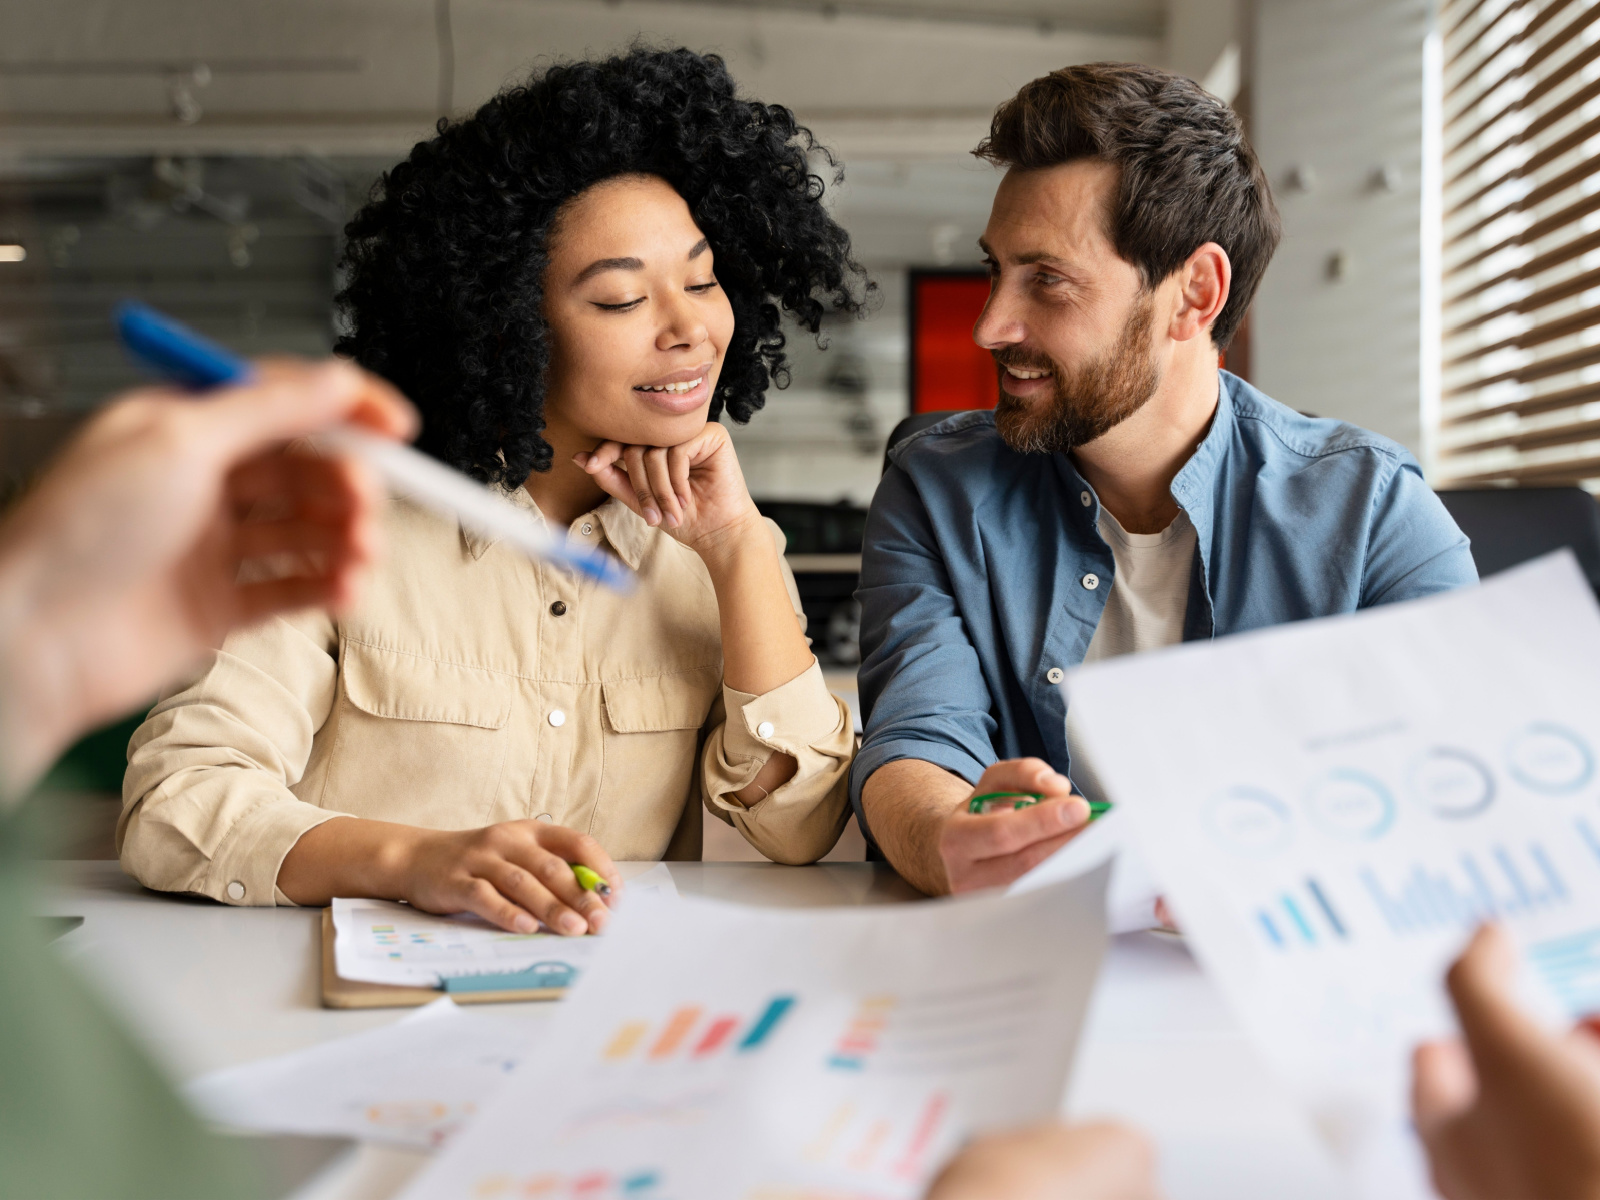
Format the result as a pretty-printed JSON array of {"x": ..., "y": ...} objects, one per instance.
[
  {"x": 1136, "y": 18},
  {"x": 907, "y": 79}
]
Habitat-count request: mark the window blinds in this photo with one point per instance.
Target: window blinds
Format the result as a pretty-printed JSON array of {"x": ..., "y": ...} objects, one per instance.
[{"x": 1520, "y": 379}]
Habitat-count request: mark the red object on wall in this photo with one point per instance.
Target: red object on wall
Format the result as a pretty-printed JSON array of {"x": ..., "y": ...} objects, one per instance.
[{"x": 949, "y": 370}]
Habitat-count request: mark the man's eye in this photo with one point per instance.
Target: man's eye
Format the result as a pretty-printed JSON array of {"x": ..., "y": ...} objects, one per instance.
[{"x": 623, "y": 307}]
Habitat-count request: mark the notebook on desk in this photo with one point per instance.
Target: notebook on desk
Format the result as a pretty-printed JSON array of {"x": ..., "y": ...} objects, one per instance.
[{"x": 381, "y": 954}]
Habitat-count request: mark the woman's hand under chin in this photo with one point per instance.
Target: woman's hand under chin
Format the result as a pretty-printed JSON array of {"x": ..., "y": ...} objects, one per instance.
[{"x": 694, "y": 491}]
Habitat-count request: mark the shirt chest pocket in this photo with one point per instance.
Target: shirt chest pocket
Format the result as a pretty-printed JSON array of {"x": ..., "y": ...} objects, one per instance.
[
  {"x": 652, "y": 733},
  {"x": 418, "y": 740}
]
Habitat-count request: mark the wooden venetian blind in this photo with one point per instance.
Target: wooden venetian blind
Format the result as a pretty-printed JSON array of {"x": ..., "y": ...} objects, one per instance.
[{"x": 1520, "y": 395}]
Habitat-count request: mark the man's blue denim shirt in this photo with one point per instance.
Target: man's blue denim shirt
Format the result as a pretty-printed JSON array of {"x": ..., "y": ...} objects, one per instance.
[{"x": 972, "y": 577}]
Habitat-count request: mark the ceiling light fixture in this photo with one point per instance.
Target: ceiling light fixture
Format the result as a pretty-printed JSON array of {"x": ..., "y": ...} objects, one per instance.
[{"x": 12, "y": 253}]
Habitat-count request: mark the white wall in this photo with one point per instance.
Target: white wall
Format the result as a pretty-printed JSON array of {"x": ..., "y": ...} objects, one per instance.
[{"x": 1338, "y": 92}]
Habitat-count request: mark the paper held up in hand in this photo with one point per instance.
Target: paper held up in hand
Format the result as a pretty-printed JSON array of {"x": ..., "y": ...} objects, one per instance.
[
  {"x": 1332, "y": 806},
  {"x": 722, "y": 1053},
  {"x": 379, "y": 941}
]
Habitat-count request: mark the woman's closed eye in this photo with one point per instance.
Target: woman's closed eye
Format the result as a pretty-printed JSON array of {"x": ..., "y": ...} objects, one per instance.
[{"x": 620, "y": 306}]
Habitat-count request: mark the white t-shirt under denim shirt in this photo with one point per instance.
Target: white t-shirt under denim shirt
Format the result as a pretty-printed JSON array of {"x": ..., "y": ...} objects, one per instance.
[
  {"x": 1147, "y": 605},
  {"x": 1145, "y": 611},
  {"x": 1150, "y": 593}
]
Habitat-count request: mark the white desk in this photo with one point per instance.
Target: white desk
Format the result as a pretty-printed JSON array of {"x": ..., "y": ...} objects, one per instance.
[{"x": 211, "y": 986}]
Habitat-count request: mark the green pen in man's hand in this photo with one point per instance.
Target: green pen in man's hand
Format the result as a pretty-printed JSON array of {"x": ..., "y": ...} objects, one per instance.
[
  {"x": 992, "y": 802},
  {"x": 590, "y": 881}
]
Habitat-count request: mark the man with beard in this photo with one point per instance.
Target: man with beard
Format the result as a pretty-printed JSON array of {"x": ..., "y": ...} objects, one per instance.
[{"x": 1125, "y": 495}]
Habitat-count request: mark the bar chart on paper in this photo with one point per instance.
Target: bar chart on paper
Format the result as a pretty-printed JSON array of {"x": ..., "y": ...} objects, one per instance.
[{"x": 689, "y": 1033}]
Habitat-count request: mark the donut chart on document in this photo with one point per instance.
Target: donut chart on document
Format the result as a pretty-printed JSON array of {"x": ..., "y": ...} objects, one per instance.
[
  {"x": 1549, "y": 758},
  {"x": 1350, "y": 804},
  {"x": 1248, "y": 821},
  {"x": 1451, "y": 783}
]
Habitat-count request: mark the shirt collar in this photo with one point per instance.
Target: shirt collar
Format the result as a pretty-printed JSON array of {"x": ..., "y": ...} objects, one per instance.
[
  {"x": 625, "y": 532},
  {"x": 1192, "y": 485}
]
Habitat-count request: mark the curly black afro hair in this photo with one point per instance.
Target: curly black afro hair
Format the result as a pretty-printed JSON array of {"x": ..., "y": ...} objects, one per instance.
[{"x": 445, "y": 264}]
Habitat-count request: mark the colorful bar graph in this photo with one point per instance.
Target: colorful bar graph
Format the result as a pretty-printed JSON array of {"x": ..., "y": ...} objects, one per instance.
[
  {"x": 676, "y": 1031},
  {"x": 629, "y": 1036},
  {"x": 766, "y": 1023},
  {"x": 716, "y": 1034}
]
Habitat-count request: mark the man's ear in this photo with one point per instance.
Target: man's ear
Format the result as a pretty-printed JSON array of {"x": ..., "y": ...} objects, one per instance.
[{"x": 1203, "y": 285}]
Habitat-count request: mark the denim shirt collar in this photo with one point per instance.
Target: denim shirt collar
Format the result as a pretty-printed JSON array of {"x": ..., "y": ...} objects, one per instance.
[{"x": 1194, "y": 488}]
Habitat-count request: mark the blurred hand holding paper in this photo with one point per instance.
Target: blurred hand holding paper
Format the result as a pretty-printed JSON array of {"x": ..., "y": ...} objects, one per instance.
[
  {"x": 716, "y": 1052},
  {"x": 1332, "y": 806}
]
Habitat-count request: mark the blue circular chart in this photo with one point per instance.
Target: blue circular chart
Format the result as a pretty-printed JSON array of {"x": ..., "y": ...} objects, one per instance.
[
  {"x": 1350, "y": 804},
  {"x": 1451, "y": 783},
  {"x": 1550, "y": 758},
  {"x": 1248, "y": 821}
]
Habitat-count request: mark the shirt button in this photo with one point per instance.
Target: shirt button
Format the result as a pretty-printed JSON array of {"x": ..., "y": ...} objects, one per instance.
[
  {"x": 765, "y": 729},
  {"x": 236, "y": 890},
  {"x": 1091, "y": 581},
  {"x": 557, "y": 718},
  {"x": 586, "y": 529},
  {"x": 545, "y": 817},
  {"x": 1055, "y": 674},
  {"x": 1086, "y": 498},
  {"x": 558, "y": 609}
]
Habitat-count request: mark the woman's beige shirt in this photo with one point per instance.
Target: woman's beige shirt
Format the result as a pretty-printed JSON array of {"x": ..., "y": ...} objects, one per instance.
[{"x": 473, "y": 686}]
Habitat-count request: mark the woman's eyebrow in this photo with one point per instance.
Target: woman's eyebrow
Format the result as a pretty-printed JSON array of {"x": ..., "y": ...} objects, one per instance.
[
  {"x": 600, "y": 265},
  {"x": 608, "y": 264}
]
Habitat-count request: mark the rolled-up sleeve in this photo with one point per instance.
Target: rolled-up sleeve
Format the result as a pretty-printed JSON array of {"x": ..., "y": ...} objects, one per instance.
[
  {"x": 206, "y": 800},
  {"x": 799, "y": 821},
  {"x": 923, "y": 693}
]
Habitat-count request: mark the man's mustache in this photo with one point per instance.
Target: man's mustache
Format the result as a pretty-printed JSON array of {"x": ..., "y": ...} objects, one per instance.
[{"x": 1023, "y": 360}]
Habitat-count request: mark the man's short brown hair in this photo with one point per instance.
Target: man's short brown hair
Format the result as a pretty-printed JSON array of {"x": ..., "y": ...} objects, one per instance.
[{"x": 1187, "y": 175}]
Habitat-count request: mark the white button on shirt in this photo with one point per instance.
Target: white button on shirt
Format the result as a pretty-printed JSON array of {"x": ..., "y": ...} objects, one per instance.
[
  {"x": 765, "y": 730},
  {"x": 1091, "y": 581},
  {"x": 557, "y": 718},
  {"x": 236, "y": 890},
  {"x": 586, "y": 529},
  {"x": 1086, "y": 498},
  {"x": 1055, "y": 674}
]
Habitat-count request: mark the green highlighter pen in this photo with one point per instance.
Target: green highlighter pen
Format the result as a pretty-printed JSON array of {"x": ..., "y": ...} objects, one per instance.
[
  {"x": 591, "y": 882},
  {"x": 990, "y": 802}
]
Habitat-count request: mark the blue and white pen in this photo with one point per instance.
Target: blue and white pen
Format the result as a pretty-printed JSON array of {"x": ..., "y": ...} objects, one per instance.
[{"x": 182, "y": 355}]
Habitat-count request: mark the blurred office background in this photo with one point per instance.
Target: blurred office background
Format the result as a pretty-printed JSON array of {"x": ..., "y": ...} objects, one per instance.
[{"x": 1434, "y": 161}]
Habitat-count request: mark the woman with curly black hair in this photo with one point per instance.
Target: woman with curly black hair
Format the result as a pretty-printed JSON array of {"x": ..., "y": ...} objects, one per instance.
[{"x": 572, "y": 285}]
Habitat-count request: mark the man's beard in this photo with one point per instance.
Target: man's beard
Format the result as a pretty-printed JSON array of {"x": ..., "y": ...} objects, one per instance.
[{"x": 1097, "y": 398}]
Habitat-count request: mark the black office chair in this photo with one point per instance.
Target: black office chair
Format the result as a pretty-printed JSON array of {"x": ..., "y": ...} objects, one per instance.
[
  {"x": 1511, "y": 525},
  {"x": 912, "y": 424}
]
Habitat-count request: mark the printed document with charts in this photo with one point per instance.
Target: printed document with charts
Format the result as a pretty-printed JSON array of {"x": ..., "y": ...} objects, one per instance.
[
  {"x": 718, "y": 1052},
  {"x": 1332, "y": 806}
]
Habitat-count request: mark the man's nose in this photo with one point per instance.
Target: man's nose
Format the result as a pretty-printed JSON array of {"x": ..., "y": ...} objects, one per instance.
[{"x": 999, "y": 326}]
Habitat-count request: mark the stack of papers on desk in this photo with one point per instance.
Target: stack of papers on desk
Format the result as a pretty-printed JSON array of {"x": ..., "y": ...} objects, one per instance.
[
  {"x": 717, "y": 1052},
  {"x": 1331, "y": 807}
]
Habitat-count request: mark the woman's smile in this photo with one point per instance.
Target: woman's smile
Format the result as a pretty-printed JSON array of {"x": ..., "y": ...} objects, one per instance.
[{"x": 680, "y": 392}]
